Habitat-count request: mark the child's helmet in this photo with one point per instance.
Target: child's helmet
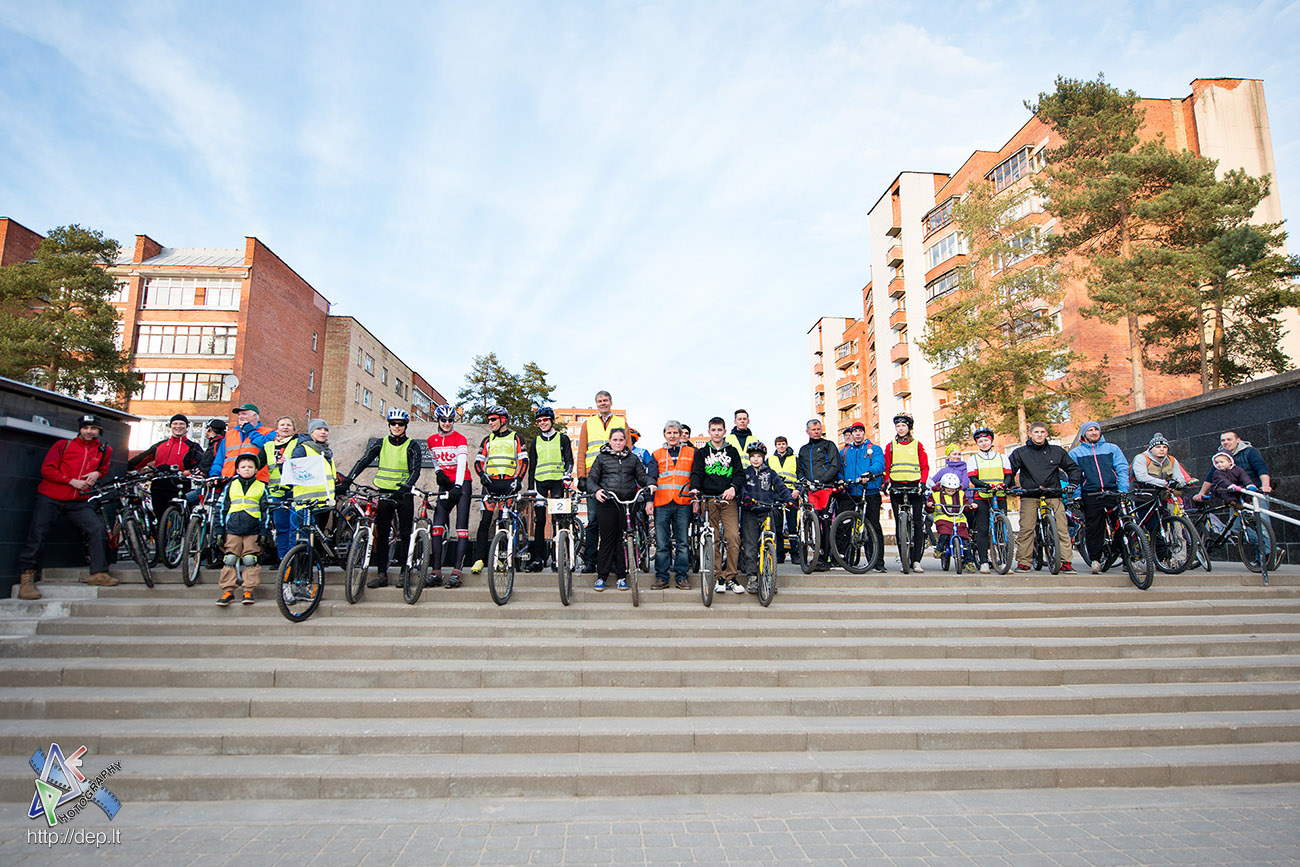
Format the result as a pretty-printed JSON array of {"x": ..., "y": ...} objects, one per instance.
[
  {"x": 756, "y": 448},
  {"x": 950, "y": 481}
]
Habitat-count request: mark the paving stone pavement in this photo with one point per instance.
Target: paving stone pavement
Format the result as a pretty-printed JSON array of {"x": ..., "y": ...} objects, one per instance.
[{"x": 1188, "y": 825}]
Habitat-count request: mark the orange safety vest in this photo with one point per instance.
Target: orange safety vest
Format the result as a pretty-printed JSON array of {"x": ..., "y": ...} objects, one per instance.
[
  {"x": 235, "y": 446},
  {"x": 674, "y": 475}
]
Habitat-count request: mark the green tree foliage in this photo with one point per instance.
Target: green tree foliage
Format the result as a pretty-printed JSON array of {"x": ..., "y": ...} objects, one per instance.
[
  {"x": 995, "y": 334},
  {"x": 489, "y": 383},
  {"x": 57, "y": 327}
]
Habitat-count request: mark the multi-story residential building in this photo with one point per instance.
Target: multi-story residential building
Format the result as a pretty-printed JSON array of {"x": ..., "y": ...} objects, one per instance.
[
  {"x": 833, "y": 358},
  {"x": 364, "y": 379},
  {"x": 571, "y": 418},
  {"x": 424, "y": 397},
  {"x": 214, "y": 327},
  {"x": 916, "y": 248}
]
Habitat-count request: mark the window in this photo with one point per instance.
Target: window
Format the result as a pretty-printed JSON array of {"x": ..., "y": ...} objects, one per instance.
[
  {"x": 938, "y": 218},
  {"x": 384, "y": 378},
  {"x": 313, "y": 341},
  {"x": 902, "y": 337},
  {"x": 845, "y": 348},
  {"x": 311, "y": 380},
  {"x": 1035, "y": 324},
  {"x": 847, "y": 391},
  {"x": 120, "y": 293},
  {"x": 1060, "y": 409},
  {"x": 943, "y": 250},
  {"x": 365, "y": 398},
  {"x": 186, "y": 340},
  {"x": 1021, "y": 208},
  {"x": 942, "y": 286},
  {"x": 361, "y": 356},
  {"x": 119, "y": 332},
  {"x": 942, "y": 430},
  {"x": 356, "y": 395},
  {"x": 381, "y": 406},
  {"x": 397, "y": 386},
  {"x": 370, "y": 365},
  {"x": 1019, "y": 248},
  {"x": 183, "y": 386},
  {"x": 178, "y": 293},
  {"x": 1010, "y": 170}
]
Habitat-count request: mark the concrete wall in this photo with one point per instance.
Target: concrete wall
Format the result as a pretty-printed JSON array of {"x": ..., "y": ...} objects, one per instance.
[{"x": 1265, "y": 412}]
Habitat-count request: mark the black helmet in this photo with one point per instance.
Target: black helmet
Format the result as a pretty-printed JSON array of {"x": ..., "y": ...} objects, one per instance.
[
  {"x": 756, "y": 447},
  {"x": 984, "y": 431},
  {"x": 905, "y": 418},
  {"x": 497, "y": 409},
  {"x": 545, "y": 412}
]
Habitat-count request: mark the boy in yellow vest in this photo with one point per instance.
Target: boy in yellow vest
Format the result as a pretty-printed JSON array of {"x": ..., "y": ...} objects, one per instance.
[{"x": 244, "y": 513}]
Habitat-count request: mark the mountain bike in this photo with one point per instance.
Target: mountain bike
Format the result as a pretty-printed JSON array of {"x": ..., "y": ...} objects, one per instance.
[
  {"x": 169, "y": 530},
  {"x": 1002, "y": 537},
  {"x": 200, "y": 545},
  {"x": 568, "y": 529},
  {"x": 1124, "y": 538},
  {"x": 855, "y": 544},
  {"x": 767, "y": 560},
  {"x": 1176, "y": 544},
  {"x": 706, "y": 549},
  {"x": 357, "y": 566},
  {"x": 1046, "y": 551},
  {"x": 509, "y": 546},
  {"x": 808, "y": 524},
  {"x": 1252, "y": 536},
  {"x": 632, "y": 543},
  {"x": 300, "y": 582},
  {"x": 127, "y": 523},
  {"x": 900, "y": 500},
  {"x": 415, "y": 565}
]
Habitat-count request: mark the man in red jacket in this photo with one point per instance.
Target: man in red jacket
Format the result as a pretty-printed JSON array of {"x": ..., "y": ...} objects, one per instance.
[{"x": 69, "y": 471}]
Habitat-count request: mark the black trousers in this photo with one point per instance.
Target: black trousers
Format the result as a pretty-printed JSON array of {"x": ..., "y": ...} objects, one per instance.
[
  {"x": 589, "y": 553},
  {"x": 1094, "y": 521},
  {"x": 554, "y": 490},
  {"x": 609, "y": 556},
  {"x": 982, "y": 508},
  {"x": 45, "y": 511},
  {"x": 784, "y": 523},
  {"x": 441, "y": 518},
  {"x": 404, "y": 507},
  {"x": 161, "y": 493},
  {"x": 916, "y": 504}
]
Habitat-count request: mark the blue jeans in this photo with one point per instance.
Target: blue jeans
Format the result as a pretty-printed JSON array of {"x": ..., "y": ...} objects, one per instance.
[
  {"x": 284, "y": 531},
  {"x": 674, "y": 518}
]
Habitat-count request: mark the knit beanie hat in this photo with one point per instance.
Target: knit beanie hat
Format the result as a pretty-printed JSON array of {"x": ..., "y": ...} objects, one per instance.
[{"x": 1158, "y": 440}]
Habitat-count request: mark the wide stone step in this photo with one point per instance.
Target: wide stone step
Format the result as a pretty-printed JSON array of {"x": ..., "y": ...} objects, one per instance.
[
  {"x": 186, "y": 778},
  {"x": 321, "y": 737},
  {"x": 40, "y": 702},
  {"x": 404, "y": 674}
]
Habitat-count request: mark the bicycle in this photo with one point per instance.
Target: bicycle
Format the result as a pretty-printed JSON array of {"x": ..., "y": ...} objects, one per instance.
[
  {"x": 855, "y": 542},
  {"x": 169, "y": 530},
  {"x": 1124, "y": 538},
  {"x": 1176, "y": 544},
  {"x": 128, "y": 522},
  {"x": 565, "y": 523},
  {"x": 1046, "y": 551},
  {"x": 955, "y": 552},
  {"x": 1248, "y": 533},
  {"x": 632, "y": 545},
  {"x": 301, "y": 578},
  {"x": 706, "y": 552},
  {"x": 509, "y": 545},
  {"x": 415, "y": 566},
  {"x": 900, "y": 496},
  {"x": 767, "y": 561},
  {"x": 808, "y": 524},
  {"x": 200, "y": 543}
]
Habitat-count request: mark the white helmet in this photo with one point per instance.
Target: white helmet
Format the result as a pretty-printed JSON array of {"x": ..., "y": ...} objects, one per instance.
[{"x": 949, "y": 480}]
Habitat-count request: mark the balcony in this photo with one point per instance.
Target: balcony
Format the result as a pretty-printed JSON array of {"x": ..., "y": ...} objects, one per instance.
[
  {"x": 894, "y": 231},
  {"x": 898, "y": 319},
  {"x": 845, "y": 380},
  {"x": 900, "y": 352},
  {"x": 902, "y": 388},
  {"x": 848, "y": 403},
  {"x": 897, "y": 287},
  {"x": 819, "y": 389},
  {"x": 895, "y": 256},
  {"x": 817, "y": 369}
]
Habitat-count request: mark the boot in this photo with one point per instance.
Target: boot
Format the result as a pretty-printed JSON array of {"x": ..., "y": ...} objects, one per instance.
[
  {"x": 101, "y": 579},
  {"x": 27, "y": 587}
]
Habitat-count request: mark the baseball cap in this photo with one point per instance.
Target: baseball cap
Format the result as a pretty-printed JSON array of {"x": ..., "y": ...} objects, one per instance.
[{"x": 244, "y": 406}]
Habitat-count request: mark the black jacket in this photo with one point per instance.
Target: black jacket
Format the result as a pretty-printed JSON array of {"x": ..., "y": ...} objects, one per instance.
[
  {"x": 619, "y": 472},
  {"x": 818, "y": 461},
  {"x": 1043, "y": 466},
  {"x": 715, "y": 470},
  {"x": 414, "y": 460},
  {"x": 209, "y": 454}
]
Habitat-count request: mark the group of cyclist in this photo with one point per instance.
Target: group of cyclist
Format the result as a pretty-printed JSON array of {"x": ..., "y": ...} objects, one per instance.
[{"x": 742, "y": 483}]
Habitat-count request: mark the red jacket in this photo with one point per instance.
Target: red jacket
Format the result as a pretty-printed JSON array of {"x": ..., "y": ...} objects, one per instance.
[{"x": 72, "y": 459}]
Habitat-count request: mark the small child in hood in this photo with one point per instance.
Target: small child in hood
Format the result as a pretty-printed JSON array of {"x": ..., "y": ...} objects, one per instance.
[
  {"x": 950, "y": 498},
  {"x": 1225, "y": 474}
]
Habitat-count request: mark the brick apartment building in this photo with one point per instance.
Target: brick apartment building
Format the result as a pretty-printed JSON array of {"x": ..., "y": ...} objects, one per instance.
[
  {"x": 424, "y": 397},
  {"x": 916, "y": 248},
  {"x": 364, "y": 378},
  {"x": 17, "y": 242}
]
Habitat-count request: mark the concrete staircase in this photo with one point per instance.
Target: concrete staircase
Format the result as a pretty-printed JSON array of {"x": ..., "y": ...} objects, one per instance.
[{"x": 878, "y": 682}]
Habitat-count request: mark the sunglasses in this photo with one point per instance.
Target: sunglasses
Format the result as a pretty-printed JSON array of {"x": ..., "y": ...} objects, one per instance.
[
  {"x": 397, "y": 424},
  {"x": 494, "y": 418}
]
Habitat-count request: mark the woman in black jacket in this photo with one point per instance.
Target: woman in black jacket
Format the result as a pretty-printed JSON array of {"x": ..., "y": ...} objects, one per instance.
[{"x": 618, "y": 471}]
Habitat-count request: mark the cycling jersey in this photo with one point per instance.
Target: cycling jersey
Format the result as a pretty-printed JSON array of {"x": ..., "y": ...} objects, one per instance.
[{"x": 451, "y": 455}]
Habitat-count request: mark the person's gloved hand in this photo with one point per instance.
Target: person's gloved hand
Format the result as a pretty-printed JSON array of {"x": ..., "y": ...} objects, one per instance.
[
  {"x": 454, "y": 492},
  {"x": 403, "y": 490},
  {"x": 582, "y": 484},
  {"x": 444, "y": 480}
]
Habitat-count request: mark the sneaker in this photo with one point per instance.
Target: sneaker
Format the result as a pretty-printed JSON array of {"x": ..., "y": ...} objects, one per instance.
[
  {"x": 227, "y": 598},
  {"x": 248, "y": 597},
  {"x": 683, "y": 584},
  {"x": 599, "y": 586},
  {"x": 286, "y": 590},
  {"x": 453, "y": 582},
  {"x": 969, "y": 567},
  {"x": 434, "y": 579},
  {"x": 1095, "y": 566},
  {"x": 720, "y": 587},
  {"x": 1022, "y": 567},
  {"x": 477, "y": 567},
  {"x": 880, "y": 567},
  {"x": 984, "y": 568},
  {"x": 751, "y": 586},
  {"x": 1067, "y": 567},
  {"x": 622, "y": 584},
  {"x": 734, "y": 587},
  {"x": 916, "y": 567},
  {"x": 660, "y": 584},
  {"x": 380, "y": 580}
]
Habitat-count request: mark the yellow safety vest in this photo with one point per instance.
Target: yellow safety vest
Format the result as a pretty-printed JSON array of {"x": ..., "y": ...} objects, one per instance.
[
  {"x": 951, "y": 501},
  {"x": 906, "y": 466},
  {"x": 784, "y": 468},
  {"x": 550, "y": 459},
  {"x": 275, "y": 489},
  {"x": 989, "y": 470},
  {"x": 502, "y": 456},
  {"x": 317, "y": 492},
  {"x": 249, "y": 501},
  {"x": 598, "y": 434},
  {"x": 393, "y": 467}
]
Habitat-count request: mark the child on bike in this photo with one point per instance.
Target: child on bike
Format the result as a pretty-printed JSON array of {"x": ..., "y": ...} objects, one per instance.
[
  {"x": 1225, "y": 474},
  {"x": 763, "y": 489},
  {"x": 950, "y": 498},
  {"x": 245, "y": 514}
]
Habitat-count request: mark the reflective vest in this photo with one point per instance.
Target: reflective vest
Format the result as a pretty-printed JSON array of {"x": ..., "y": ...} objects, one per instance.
[
  {"x": 784, "y": 468},
  {"x": 598, "y": 434},
  {"x": 236, "y": 445},
  {"x": 674, "y": 475},
  {"x": 502, "y": 456},
  {"x": 740, "y": 447},
  {"x": 394, "y": 468},
  {"x": 550, "y": 459},
  {"x": 275, "y": 489},
  {"x": 906, "y": 462},
  {"x": 989, "y": 470},
  {"x": 317, "y": 492},
  {"x": 947, "y": 503},
  {"x": 249, "y": 501}
]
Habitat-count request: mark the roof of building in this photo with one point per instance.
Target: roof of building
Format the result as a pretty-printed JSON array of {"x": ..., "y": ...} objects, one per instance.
[{"x": 212, "y": 257}]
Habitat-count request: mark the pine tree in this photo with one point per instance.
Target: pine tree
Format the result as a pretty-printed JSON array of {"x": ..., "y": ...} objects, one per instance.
[
  {"x": 57, "y": 327},
  {"x": 490, "y": 383},
  {"x": 996, "y": 334}
]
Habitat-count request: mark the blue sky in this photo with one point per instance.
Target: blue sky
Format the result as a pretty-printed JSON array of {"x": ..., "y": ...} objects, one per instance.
[{"x": 658, "y": 199}]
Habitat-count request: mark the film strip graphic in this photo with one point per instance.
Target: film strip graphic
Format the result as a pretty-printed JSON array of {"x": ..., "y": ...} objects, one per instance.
[{"x": 60, "y": 781}]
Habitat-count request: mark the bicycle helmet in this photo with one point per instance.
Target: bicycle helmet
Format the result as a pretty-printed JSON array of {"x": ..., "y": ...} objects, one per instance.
[
  {"x": 500, "y": 410},
  {"x": 950, "y": 481},
  {"x": 756, "y": 447},
  {"x": 905, "y": 418},
  {"x": 446, "y": 412},
  {"x": 396, "y": 414},
  {"x": 633, "y": 435},
  {"x": 983, "y": 432},
  {"x": 545, "y": 412}
]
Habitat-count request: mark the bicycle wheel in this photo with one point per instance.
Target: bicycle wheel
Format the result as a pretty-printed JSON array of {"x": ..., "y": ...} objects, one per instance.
[
  {"x": 809, "y": 539},
  {"x": 358, "y": 564},
  {"x": 171, "y": 535},
  {"x": 766, "y": 571},
  {"x": 854, "y": 545},
  {"x": 500, "y": 569},
  {"x": 192, "y": 550},
  {"x": 133, "y": 536},
  {"x": 1250, "y": 543},
  {"x": 1135, "y": 551},
  {"x": 1001, "y": 540},
  {"x": 706, "y": 567},
  {"x": 630, "y": 558},
  {"x": 415, "y": 573},
  {"x": 1178, "y": 538},
  {"x": 903, "y": 536},
  {"x": 956, "y": 554},
  {"x": 1047, "y": 530},
  {"x": 299, "y": 584},
  {"x": 564, "y": 564}
]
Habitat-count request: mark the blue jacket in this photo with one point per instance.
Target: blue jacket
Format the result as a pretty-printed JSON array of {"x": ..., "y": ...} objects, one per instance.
[
  {"x": 858, "y": 459},
  {"x": 1103, "y": 465},
  {"x": 248, "y": 433}
]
